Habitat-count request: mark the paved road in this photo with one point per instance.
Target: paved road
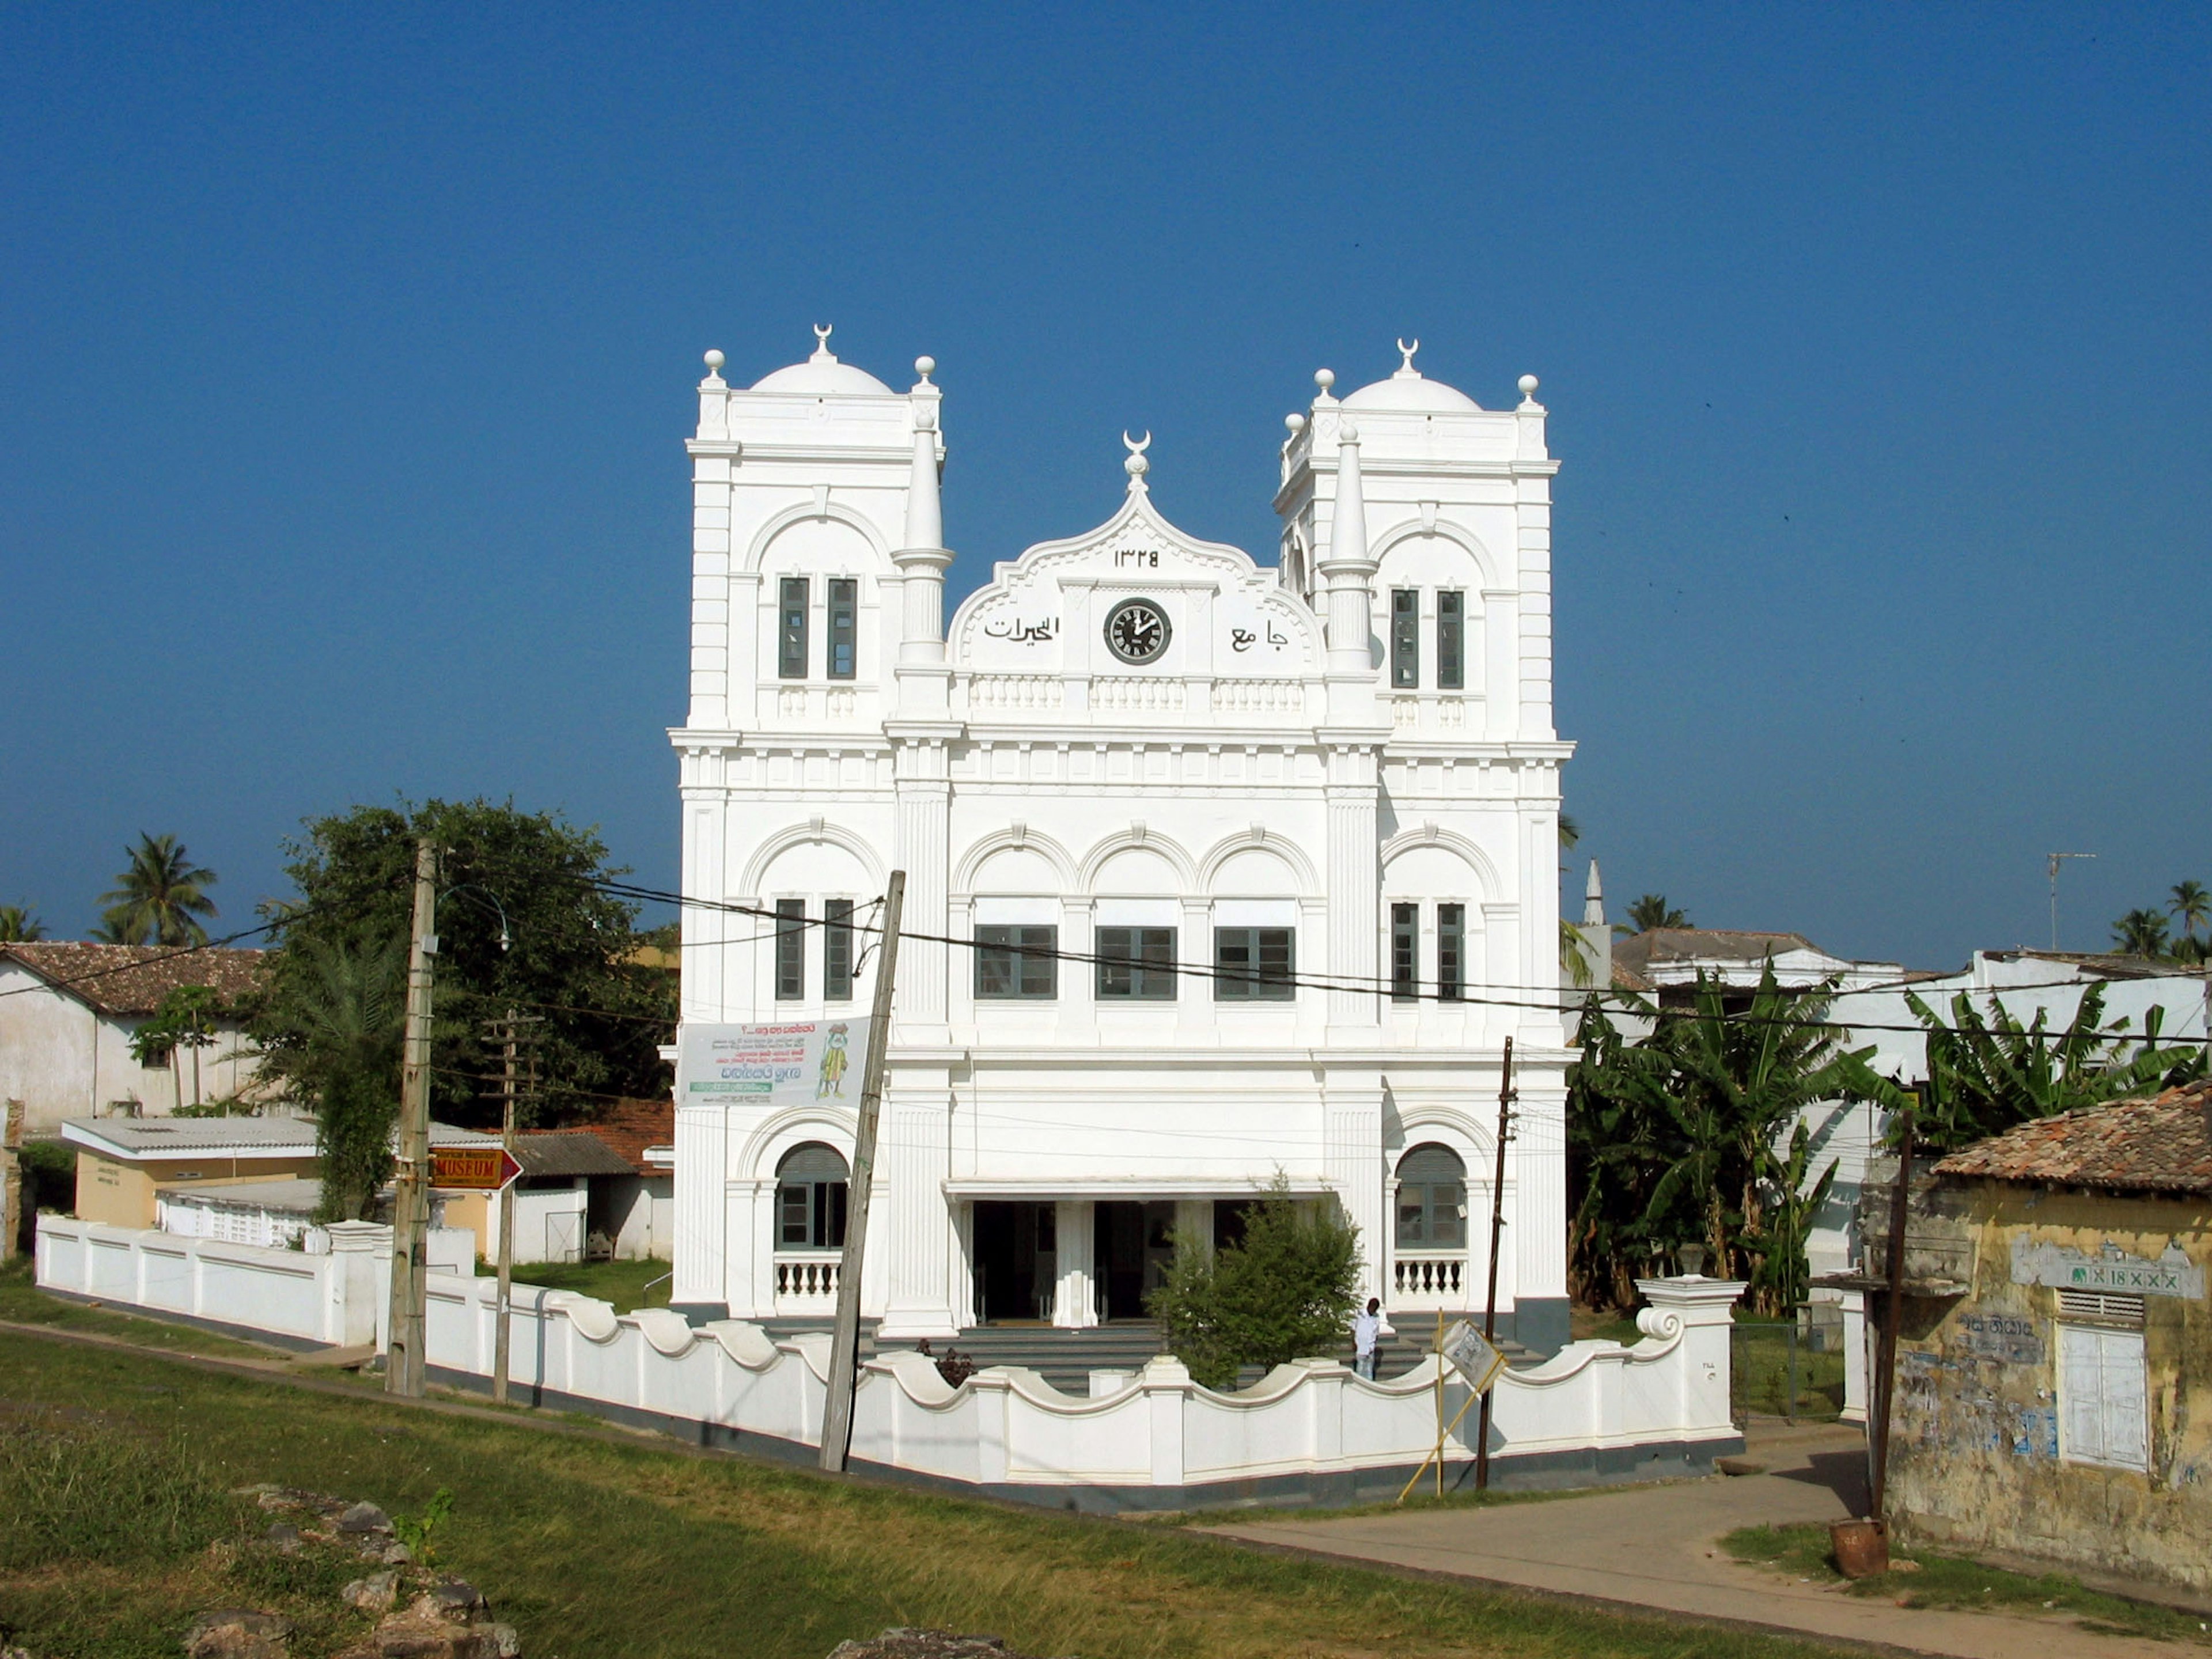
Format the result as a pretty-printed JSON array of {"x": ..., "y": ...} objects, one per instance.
[{"x": 1653, "y": 1546}]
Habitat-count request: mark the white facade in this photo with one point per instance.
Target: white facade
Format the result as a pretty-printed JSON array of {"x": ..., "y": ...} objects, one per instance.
[{"x": 1253, "y": 758}]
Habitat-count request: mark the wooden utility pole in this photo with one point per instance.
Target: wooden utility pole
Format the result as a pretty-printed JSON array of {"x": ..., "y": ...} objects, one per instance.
[
  {"x": 1505, "y": 1094},
  {"x": 11, "y": 1197},
  {"x": 845, "y": 1348},
  {"x": 1892, "y": 1313},
  {"x": 509, "y": 1033},
  {"x": 405, "y": 1365}
]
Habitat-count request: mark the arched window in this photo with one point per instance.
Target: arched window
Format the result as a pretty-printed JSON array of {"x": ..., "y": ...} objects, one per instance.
[
  {"x": 810, "y": 1199},
  {"x": 1432, "y": 1200}
]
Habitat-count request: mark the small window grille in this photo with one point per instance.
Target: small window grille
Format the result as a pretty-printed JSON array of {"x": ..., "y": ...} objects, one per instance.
[
  {"x": 791, "y": 653},
  {"x": 790, "y": 950},
  {"x": 837, "y": 951},
  {"x": 1451, "y": 952},
  {"x": 2106, "y": 1307},
  {"x": 1405, "y": 945}
]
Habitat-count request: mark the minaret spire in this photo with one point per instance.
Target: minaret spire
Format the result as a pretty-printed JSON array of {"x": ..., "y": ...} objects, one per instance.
[{"x": 923, "y": 680}]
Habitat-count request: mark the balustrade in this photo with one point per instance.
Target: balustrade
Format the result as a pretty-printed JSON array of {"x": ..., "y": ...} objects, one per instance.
[
  {"x": 1431, "y": 1279},
  {"x": 807, "y": 1283}
]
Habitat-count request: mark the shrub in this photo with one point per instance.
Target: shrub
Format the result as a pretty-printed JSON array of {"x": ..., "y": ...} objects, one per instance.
[{"x": 1285, "y": 1291}]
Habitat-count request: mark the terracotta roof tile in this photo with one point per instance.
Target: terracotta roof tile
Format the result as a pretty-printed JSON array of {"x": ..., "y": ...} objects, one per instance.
[
  {"x": 631, "y": 1125},
  {"x": 130, "y": 981},
  {"x": 2158, "y": 1145}
]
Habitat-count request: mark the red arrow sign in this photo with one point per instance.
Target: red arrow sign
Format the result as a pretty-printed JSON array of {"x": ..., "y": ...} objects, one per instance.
[{"x": 472, "y": 1169}]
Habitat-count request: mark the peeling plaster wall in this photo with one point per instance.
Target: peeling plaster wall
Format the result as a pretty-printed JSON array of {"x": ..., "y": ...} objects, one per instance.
[{"x": 1976, "y": 1456}]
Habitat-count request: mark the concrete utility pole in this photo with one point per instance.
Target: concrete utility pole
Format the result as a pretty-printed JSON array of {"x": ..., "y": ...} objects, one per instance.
[
  {"x": 845, "y": 1348},
  {"x": 405, "y": 1365},
  {"x": 1505, "y": 1098},
  {"x": 1892, "y": 1314},
  {"x": 509, "y": 1033},
  {"x": 2054, "y": 860}
]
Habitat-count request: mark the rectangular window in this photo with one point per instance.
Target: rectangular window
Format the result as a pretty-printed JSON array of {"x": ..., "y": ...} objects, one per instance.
[
  {"x": 791, "y": 628},
  {"x": 837, "y": 951},
  {"x": 1405, "y": 636},
  {"x": 811, "y": 1215},
  {"x": 1253, "y": 964},
  {"x": 1404, "y": 944},
  {"x": 1451, "y": 952},
  {"x": 1016, "y": 964},
  {"x": 1451, "y": 640},
  {"x": 2103, "y": 1397},
  {"x": 1137, "y": 964},
  {"x": 844, "y": 626},
  {"x": 790, "y": 950}
]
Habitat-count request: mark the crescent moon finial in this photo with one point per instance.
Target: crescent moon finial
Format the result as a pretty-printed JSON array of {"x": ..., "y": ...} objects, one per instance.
[
  {"x": 1407, "y": 351},
  {"x": 822, "y": 332},
  {"x": 1137, "y": 446}
]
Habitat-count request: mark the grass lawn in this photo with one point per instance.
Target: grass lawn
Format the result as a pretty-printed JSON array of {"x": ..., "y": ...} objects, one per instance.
[
  {"x": 603, "y": 1544},
  {"x": 1949, "y": 1580},
  {"x": 622, "y": 1283}
]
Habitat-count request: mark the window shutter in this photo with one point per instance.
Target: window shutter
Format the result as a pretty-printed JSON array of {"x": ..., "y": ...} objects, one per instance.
[
  {"x": 2124, "y": 1386},
  {"x": 2080, "y": 1392}
]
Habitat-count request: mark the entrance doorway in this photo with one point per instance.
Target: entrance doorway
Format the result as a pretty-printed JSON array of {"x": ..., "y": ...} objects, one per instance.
[
  {"x": 1017, "y": 1257},
  {"x": 1134, "y": 1245}
]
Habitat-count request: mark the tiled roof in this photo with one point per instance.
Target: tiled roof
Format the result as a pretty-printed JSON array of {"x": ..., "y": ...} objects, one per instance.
[
  {"x": 1639, "y": 950},
  {"x": 631, "y": 1125},
  {"x": 566, "y": 1152},
  {"x": 2158, "y": 1145},
  {"x": 130, "y": 981}
]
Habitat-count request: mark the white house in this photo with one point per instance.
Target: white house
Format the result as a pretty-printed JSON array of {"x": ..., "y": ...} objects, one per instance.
[
  {"x": 1326, "y": 789},
  {"x": 69, "y": 1010}
]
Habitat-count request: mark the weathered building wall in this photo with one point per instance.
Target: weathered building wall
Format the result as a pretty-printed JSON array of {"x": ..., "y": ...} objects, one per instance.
[{"x": 1980, "y": 1453}]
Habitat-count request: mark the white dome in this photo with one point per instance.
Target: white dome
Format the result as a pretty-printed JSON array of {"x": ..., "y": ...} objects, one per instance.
[
  {"x": 1411, "y": 390},
  {"x": 823, "y": 374}
]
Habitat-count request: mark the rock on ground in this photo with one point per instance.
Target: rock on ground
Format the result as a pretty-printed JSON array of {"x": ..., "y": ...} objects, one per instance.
[
  {"x": 906, "y": 1642},
  {"x": 239, "y": 1633}
]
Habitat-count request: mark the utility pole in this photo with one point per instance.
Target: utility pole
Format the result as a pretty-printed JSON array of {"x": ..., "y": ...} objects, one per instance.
[
  {"x": 845, "y": 1348},
  {"x": 1505, "y": 1098},
  {"x": 405, "y": 1365},
  {"x": 2054, "y": 859},
  {"x": 507, "y": 1033},
  {"x": 1893, "y": 1314},
  {"x": 11, "y": 1169}
]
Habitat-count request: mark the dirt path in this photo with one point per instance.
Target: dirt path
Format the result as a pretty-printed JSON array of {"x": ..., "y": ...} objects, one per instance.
[{"x": 1653, "y": 1548}]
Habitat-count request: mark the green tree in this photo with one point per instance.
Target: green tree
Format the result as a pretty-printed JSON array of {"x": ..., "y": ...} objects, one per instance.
[
  {"x": 1572, "y": 961},
  {"x": 334, "y": 1032},
  {"x": 520, "y": 924},
  {"x": 2141, "y": 933},
  {"x": 185, "y": 1019},
  {"x": 19, "y": 925},
  {"x": 1651, "y": 911},
  {"x": 1782, "y": 1280},
  {"x": 1988, "y": 1073},
  {"x": 1285, "y": 1291},
  {"x": 159, "y": 897}
]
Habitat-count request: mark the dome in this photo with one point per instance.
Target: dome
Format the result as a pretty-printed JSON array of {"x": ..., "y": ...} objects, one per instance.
[
  {"x": 822, "y": 373},
  {"x": 1411, "y": 390}
]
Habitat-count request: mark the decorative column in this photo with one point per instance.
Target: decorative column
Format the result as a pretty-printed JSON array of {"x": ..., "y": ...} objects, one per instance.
[
  {"x": 1075, "y": 1295},
  {"x": 702, "y": 1154},
  {"x": 1351, "y": 1160},
  {"x": 923, "y": 681},
  {"x": 917, "y": 1237},
  {"x": 1353, "y": 735}
]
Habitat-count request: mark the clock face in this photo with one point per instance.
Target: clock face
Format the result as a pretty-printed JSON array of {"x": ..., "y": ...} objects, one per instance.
[{"x": 1137, "y": 631}]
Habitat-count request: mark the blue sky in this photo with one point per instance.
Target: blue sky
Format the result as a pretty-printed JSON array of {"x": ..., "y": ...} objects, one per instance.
[{"x": 345, "y": 360}]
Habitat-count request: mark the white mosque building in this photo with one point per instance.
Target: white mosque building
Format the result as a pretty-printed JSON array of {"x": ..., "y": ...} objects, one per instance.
[{"x": 1259, "y": 862}]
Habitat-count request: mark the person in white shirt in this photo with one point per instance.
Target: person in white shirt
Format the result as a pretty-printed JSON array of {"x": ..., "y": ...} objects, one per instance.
[{"x": 1366, "y": 1327}]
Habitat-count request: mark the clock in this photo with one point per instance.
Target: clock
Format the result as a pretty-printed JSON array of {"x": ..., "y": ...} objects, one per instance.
[{"x": 1137, "y": 631}]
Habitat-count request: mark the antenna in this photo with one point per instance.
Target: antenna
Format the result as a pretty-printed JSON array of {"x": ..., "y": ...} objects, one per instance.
[{"x": 2053, "y": 860}]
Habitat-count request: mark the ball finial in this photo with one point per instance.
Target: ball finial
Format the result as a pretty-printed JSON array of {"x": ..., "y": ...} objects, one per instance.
[
  {"x": 1528, "y": 384},
  {"x": 1296, "y": 421},
  {"x": 925, "y": 367},
  {"x": 1347, "y": 431},
  {"x": 714, "y": 362},
  {"x": 1324, "y": 378}
]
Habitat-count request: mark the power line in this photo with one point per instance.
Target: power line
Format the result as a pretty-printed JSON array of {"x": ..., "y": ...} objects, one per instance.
[{"x": 228, "y": 939}]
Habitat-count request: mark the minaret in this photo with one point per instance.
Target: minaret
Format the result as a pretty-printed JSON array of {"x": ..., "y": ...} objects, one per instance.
[
  {"x": 923, "y": 682},
  {"x": 1348, "y": 569},
  {"x": 1596, "y": 935}
]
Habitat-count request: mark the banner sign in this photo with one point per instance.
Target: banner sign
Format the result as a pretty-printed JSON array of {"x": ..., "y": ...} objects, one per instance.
[
  {"x": 786, "y": 1064},
  {"x": 1471, "y": 1357},
  {"x": 2111, "y": 1269}
]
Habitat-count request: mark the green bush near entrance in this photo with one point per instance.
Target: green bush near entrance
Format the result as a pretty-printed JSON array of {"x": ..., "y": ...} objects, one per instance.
[{"x": 1285, "y": 1291}]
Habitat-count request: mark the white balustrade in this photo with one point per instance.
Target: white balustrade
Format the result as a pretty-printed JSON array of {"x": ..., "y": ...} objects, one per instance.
[
  {"x": 1128, "y": 695},
  {"x": 1431, "y": 1279},
  {"x": 1258, "y": 697},
  {"x": 1041, "y": 692},
  {"x": 807, "y": 1283}
]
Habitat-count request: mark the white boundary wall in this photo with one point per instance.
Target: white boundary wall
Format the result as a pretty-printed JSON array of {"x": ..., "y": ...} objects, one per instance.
[{"x": 1593, "y": 1406}]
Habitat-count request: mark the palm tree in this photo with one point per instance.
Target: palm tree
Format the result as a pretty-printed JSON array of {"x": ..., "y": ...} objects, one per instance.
[
  {"x": 2191, "y": 905},
  {"x": 19, "y": 926},
  {"x": 159, "y": 898},
  {"x": 1651, "y": 911},
  {"x": 2141, "y": 933},
  {"x": 333, "y": 1030}
]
